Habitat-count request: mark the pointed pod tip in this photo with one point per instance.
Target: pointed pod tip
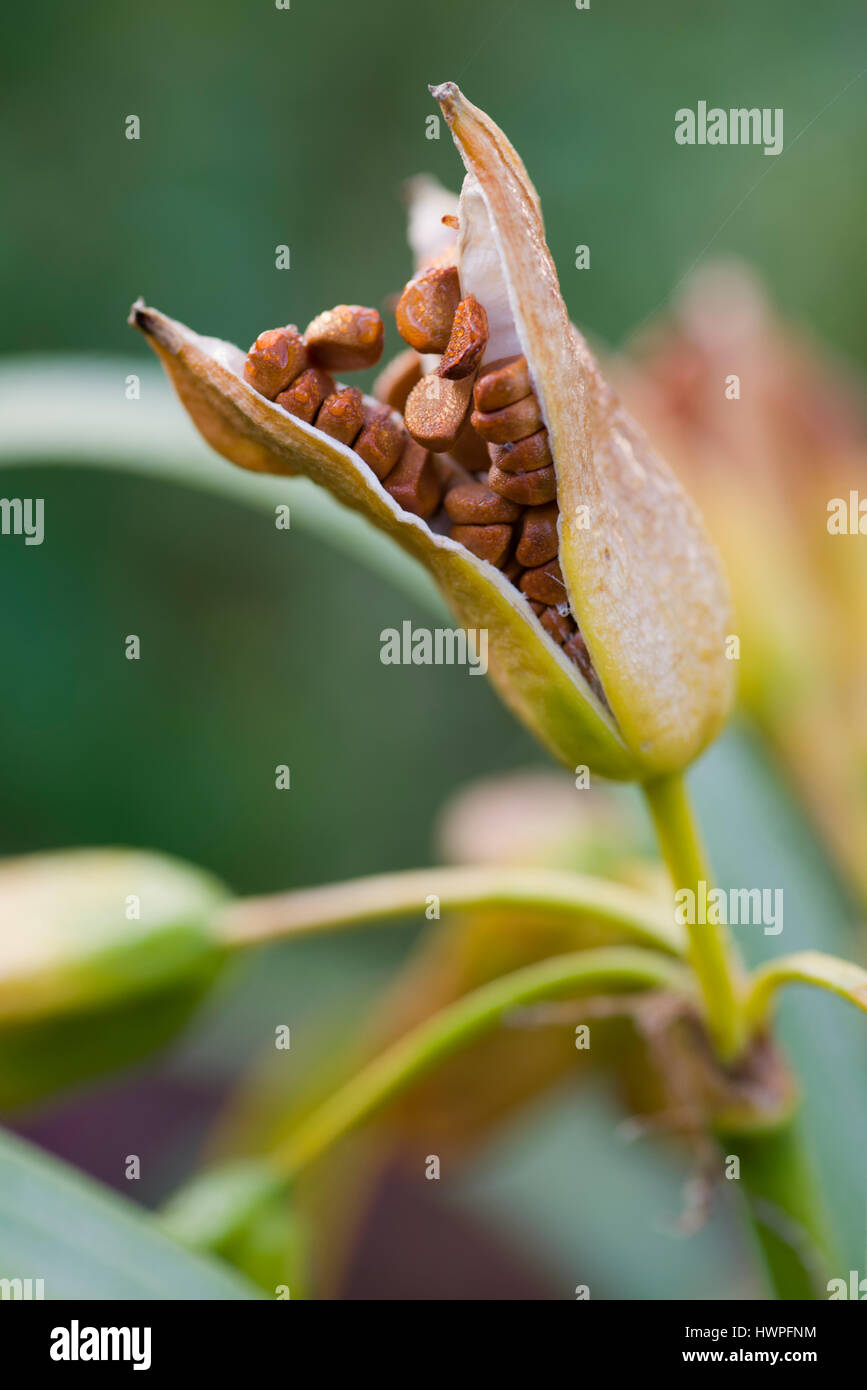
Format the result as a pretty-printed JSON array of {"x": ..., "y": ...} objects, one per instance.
[{"x": 447, "y": 94}]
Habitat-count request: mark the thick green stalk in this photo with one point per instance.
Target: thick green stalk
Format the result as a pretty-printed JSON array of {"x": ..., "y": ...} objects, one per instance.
[
  {"x": 712, "y": 953},
  {"x": 787, "y": 1214},
  {"x": 785, "y": 1210}
]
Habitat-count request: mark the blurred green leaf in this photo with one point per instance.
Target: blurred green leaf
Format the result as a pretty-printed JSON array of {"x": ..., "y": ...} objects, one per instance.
[
  {"x": 88, "y": 1243},
  {"x": 92, "y": 424}
]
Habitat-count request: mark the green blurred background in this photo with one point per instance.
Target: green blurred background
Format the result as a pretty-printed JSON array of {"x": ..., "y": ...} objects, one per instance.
[{"x": 261, "y": 127}]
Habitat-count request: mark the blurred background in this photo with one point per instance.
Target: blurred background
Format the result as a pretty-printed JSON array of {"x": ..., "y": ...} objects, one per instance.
[{"x": 261, "y": 127}]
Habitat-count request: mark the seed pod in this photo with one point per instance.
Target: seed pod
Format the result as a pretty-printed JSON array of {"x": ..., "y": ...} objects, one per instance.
[
  {"x": 275, "y": 360},
  {"x": 436, "y": 410},
  {"x": 397, "y": 379},
  {"x": 342, "y": 415},
  {"x": 475, "y": 504},
  {"x": 530, "y": 489},
  {"x": 514, "y": 421},
  {"x": 642, "y": 708},
  {"x": 645, "y": 565},
  {"x": 76, "y": 969},
  {"x": 426, "y": 309},
  {"x": 306, "y": 394},
  {"x": 347, "y": 338},
  {"x": 538, "y": 541},
  {"x": 467, "y": 343},
  {"x": 524, "y": 455},
  {"x": 502, "y": 382},
  {"x": 416, "y": 483},
  {"x": 381, "y": 441},
  {"x": 489, "y": 543}
]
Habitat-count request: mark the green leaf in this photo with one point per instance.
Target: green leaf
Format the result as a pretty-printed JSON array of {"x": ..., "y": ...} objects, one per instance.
[
  {"x": 806, "y": 968},
  {"x": 87, "y": 1243}
]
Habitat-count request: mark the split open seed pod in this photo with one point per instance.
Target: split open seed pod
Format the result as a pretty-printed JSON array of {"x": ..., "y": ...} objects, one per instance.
[{"x": 642, "y": 579}]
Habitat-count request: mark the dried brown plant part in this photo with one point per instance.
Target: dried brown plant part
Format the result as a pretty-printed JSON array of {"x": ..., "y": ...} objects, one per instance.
[
  {"x": 644, "y": 582},
  {"x": 524, "y": 455},
  {"x": 347, "y": 338},
  {"x": 545, "y": 584},
  {"x": 541, "y": 686},
  {"x": 489, "y": 543},
  {"x": 470, "y": 450},
  {"x": 381, "y": 441},
  {"x": 512, "y": 422},
  {"x": 276, "y": 358},
  {"x": 342, "y": 414},
  {"x": 538, "y": 541},
  {"x": 415, "y": 483},
  {"x": 475, "y": 504},
  {"x": 502, "y": 382},
  {"x": 425, "y": 311},
  {"x": 467, "y": 343},
  {"x": 436, "y": 411},
  {"x": 397, "y": 379},
  {"x": 306, "y": 394},
  {"x": 530, "y": 489}
]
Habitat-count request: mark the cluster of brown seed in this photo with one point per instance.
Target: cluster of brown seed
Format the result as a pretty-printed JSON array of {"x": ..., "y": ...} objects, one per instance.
[
  {"x": 470, "y": 455},
  {"x": 294, "y": 370},
  {"x": 506, "y": 513}
]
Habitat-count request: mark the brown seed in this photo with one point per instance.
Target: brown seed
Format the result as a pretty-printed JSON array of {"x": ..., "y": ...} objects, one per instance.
[
  {"x": 397, "y": 379},
  {"x": 538, "y": 608},
  {"x": 545, "y": 584},
  {"x": 530, "y": 489},
  {"x": 342, "y": 415},
  {"x": 381, "y": 441},
  {"x": 513, "y": 570},
  {"x": 415, "y": 484},
  {"x": 470, "y": 450},
  {"x": 306, "y": 394},
  {"x": 436, "y": 410},
  {"x": 346, "y": 338},
  {"x": 514, "y": 421},
  {"x": 426, "y": 309},
  {"x": 523, "y": 455},
  {"x": 490, "y": 543},
  {"x": 576, "y": 649},
  {"x": 450, "y": 472},
  {"x": 502, "y": 382},
  {"x": 275, "y": 360},
  {"x": 475, "y": 504},
  {"x": 468, "y": 340},
  {"x": 558, "y": 625},
  {"x": 538, "y": 542}
]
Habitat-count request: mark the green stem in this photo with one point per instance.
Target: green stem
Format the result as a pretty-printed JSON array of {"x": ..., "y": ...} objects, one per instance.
[
  {"x": 547, "y": 893},
  {"x": 585, "y": 972},
  {"x": 711, "y": 952},
  {"x": 786, "y": 1212}
]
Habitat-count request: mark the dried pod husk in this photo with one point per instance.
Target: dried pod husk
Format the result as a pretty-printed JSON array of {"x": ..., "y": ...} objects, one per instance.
[
  {"x": 103, "y": 955},
  {"x": 644, "y": 582},
  {"x": 541, "y": 685}
]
